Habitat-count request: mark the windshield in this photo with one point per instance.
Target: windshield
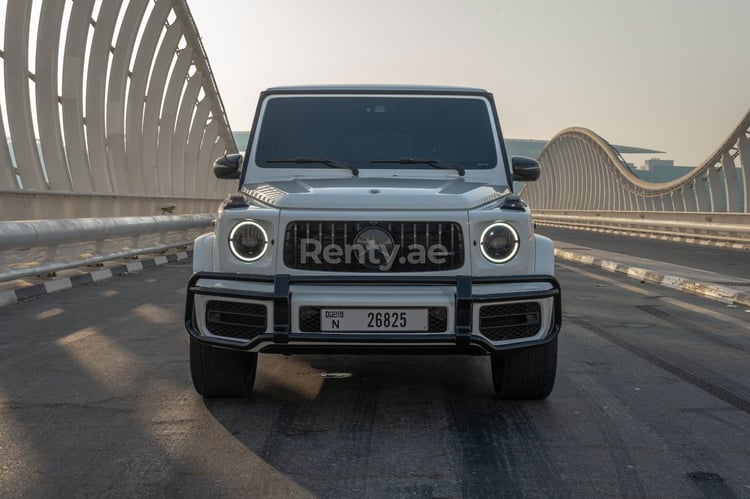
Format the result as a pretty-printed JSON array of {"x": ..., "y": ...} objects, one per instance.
[{"x": 370, "y": 132}]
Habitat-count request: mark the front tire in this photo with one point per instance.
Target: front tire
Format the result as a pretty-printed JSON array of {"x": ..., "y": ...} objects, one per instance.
[
  {"x": 219, "y": 372},
  {"x": 525, "y": 374}
]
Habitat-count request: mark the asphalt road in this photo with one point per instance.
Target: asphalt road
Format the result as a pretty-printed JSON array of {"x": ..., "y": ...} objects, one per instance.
[
  {"x": 652, "y": 400},
  {"x": 733, "y": 262}
]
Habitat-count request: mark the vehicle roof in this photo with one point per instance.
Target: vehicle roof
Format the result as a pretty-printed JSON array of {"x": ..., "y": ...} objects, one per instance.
[{"x": 377, "y": 88}]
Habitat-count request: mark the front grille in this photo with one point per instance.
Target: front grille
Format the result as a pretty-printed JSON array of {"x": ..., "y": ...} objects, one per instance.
[
  {"x": 510, "y": 321},
  {"x": 309, "y": 319},
  {"x": 236, "y": 319},
  {"x": 313, "y": 246}
]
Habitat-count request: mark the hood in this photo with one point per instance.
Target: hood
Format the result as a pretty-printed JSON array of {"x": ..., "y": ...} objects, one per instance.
[{"x": 375, "y": 194}]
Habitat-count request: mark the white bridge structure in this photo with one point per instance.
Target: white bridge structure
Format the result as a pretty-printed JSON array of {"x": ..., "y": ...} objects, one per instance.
[
  {"x": 110, "y": 121},
  {"x": 586, "y": 183}
]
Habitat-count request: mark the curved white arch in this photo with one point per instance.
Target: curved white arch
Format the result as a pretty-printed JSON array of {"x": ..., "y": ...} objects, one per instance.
[
  {"x": 152, "y": 110},
  {"x": 72, "y": 96},
  {"x": 182, "y": 130},
  {"x": 17, "y": 93},
  {"x": 175, "y": 89},
  {"x": 96, "y": 85},
  {"x": 136, "y": 123},
  {"x": 121, "y": 139},
  {"x": 47, "y": 100},
  {"x": 582, "y": 171}
]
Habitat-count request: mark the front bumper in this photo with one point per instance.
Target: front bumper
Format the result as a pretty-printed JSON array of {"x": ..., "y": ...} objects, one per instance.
[{"x": 282, "y": 297}]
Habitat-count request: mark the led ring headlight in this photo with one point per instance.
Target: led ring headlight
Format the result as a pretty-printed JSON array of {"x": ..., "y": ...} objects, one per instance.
[
  {"x": 248, "y": 241},
  {"x": 499, "y": 242}
]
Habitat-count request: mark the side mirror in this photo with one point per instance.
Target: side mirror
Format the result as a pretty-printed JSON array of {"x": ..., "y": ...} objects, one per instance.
[
  {"x": 525, "y": 169},
  {"x": 228, "y": 166}
]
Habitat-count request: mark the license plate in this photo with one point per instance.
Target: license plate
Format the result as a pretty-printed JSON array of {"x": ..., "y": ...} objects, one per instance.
[{"x": 380, "y": 319}]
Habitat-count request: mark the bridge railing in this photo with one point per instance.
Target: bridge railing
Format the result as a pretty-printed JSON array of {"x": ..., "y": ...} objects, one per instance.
[
  {"x": 42, "y": 247},
  {"x": 731, "y": 229}
]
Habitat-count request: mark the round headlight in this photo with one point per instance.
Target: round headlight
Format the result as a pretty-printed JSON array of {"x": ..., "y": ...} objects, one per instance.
[
  {"x": 248, "y": 241},
  {"x": 499, "y": 242}
]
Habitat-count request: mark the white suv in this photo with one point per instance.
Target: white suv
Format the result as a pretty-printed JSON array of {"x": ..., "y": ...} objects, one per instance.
[{"x": 374, "y": 220}]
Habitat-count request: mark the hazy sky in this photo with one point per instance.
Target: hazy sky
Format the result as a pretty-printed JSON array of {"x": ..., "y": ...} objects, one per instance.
[{"x": 671, "y": 75}]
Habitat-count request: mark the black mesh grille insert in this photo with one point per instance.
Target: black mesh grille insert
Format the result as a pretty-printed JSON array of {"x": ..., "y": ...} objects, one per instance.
[
  {"x": 332, "y": 246},
  {"x": 510, "y": 321},
  {"x": 236, "y": 319},
  {"x": 309, "y": 319}
]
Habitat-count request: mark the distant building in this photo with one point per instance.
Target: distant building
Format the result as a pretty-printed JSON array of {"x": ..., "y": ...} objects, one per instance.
[
  {"x": 655, "y": 163},
  {"x": 660, "y": 170}
]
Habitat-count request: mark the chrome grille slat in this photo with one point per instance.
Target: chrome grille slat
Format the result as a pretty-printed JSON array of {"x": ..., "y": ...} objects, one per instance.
[{"x": 453, "y": 233}]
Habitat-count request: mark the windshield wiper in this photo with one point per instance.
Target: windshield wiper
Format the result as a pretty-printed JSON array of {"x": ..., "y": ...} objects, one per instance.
[
  {"x": 333, "y": 163},
  {"x": 423, "y": 161}
]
